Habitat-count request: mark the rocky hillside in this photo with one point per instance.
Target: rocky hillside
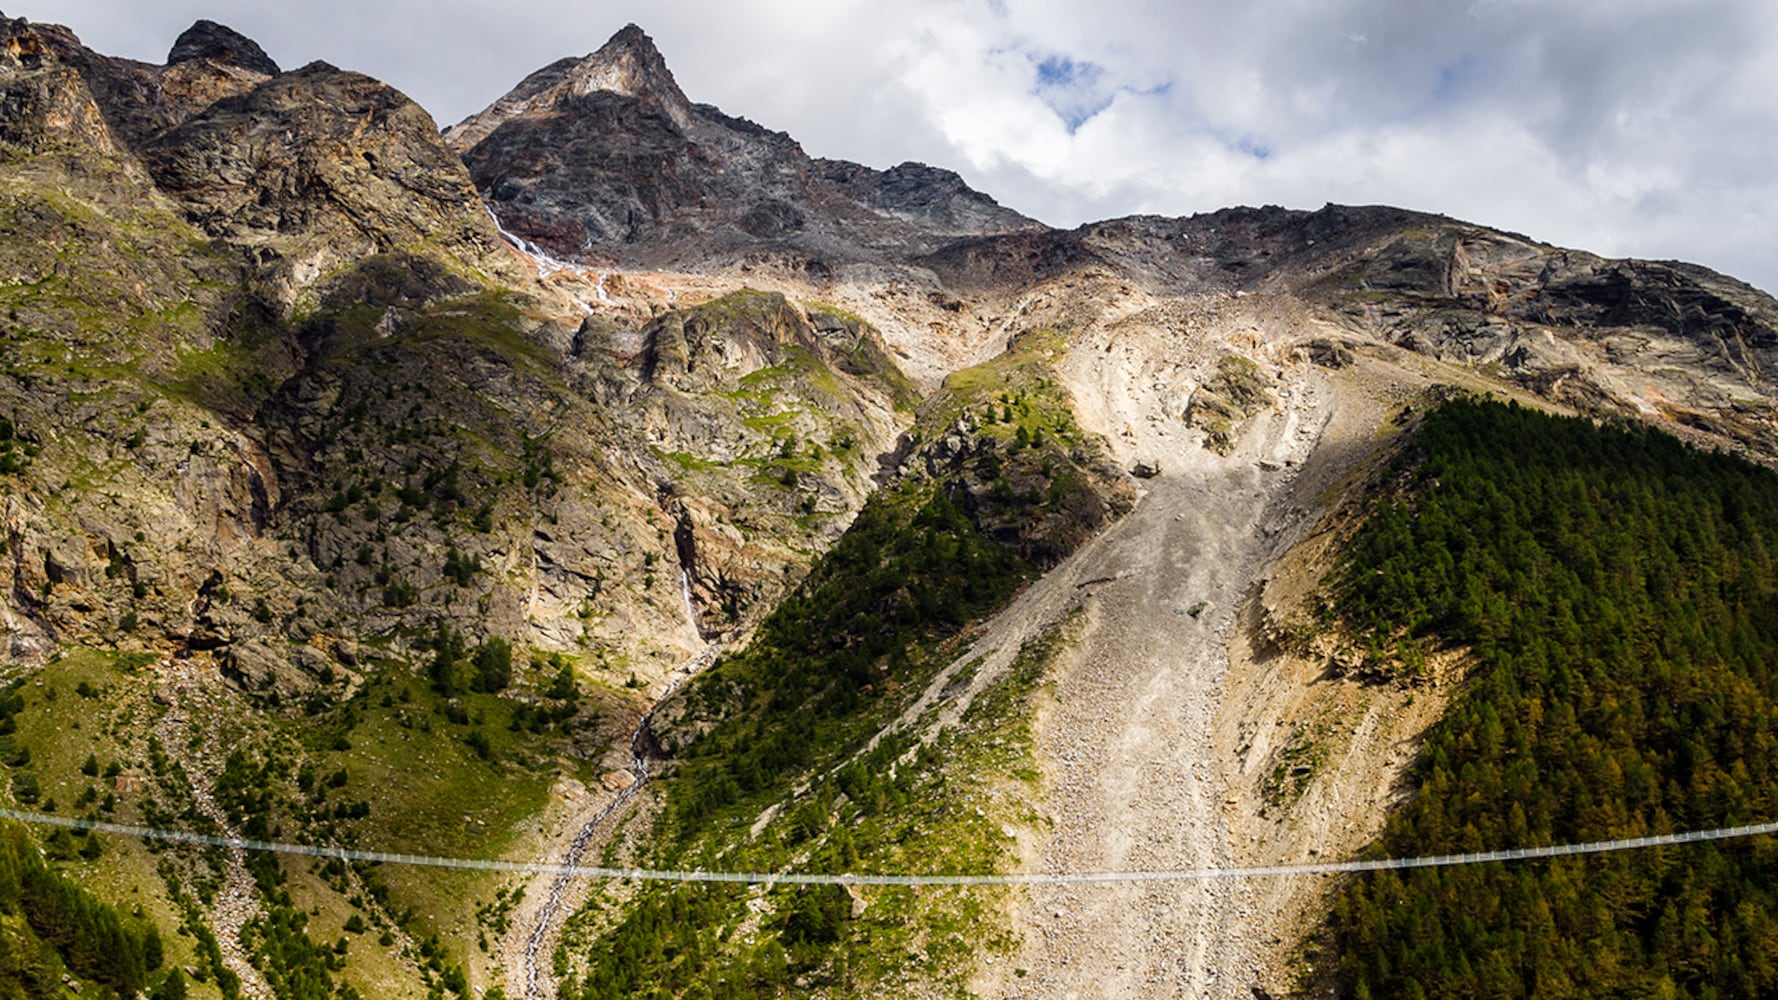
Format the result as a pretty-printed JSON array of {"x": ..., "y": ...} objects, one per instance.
[
  {"x": 606, "y": 473},
  {"x": 1665, "y": 341},
  {"x": 295, "y": 320}
]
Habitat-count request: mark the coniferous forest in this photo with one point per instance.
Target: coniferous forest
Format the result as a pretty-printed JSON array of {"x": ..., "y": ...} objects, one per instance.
[
  {"x": 48, "y": 924},
  {"x": 1618, "y": 593}
]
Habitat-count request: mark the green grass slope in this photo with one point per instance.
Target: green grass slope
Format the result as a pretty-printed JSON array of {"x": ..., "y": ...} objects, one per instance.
[{"x": 774, "y": 766}]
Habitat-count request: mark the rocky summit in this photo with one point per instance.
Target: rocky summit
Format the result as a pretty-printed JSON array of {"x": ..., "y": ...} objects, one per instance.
[
  {"x": 605, "y": 156},
  {"x": 222, "y": 46},
  {"x": 604, "y": 477}
]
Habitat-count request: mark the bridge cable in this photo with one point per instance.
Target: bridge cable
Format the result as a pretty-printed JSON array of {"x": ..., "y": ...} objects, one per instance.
[{"x": 848, "y": 878}]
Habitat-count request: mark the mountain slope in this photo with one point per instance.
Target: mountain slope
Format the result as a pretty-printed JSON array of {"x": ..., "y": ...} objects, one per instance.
[{"x": 608, "y": 475}]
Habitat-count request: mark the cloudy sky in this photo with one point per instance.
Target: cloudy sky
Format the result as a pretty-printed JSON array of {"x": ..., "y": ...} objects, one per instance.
[{"x": 1632, "y": 127}]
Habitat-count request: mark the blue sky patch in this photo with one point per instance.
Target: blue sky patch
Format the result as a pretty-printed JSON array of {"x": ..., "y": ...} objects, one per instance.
[
  {"x": 1061, "y": 71},
  {"x": 1074, "y": 89}
]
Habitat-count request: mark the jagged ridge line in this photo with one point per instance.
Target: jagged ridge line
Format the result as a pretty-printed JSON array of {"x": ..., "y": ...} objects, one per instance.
[{"x": 808, "y": 878}]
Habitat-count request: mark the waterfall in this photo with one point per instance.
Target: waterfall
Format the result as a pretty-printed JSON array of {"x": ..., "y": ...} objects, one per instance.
[
  {"x": 546, "y": 264},
  {"x": 691, "y": 610}
]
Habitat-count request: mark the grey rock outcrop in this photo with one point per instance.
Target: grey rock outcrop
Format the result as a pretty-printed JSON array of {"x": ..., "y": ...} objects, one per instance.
[
  {"x": 606, "y": 156},
  {"x": 1654, "y": 340},
  {"x": 45, "y": 101},
  {"x": 140, "y": 100},
  {"x": 222, "y": 45},
  {"x": 315, "y": 169},
  {"x": 763, "y": 421}
]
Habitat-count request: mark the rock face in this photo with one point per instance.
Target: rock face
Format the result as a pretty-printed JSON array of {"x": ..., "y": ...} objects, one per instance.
[
  {"x": 303, "y": 173},
  {"x": 315, "y": 169},
  {"x": 432, "y": 441},
  {"x": 139, "y": 100},
  {"x": 223, "y": 46},
  {"x": 763, "y": 422},
  {"x": 605, "y": 156},
  {"x": 1632, "y": 338},
  {"x": 1640, "y": 339},
  {"x": 44, "y": 100}
]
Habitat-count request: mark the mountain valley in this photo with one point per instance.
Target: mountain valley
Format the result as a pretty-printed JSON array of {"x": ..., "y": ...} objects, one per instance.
[{"x": 603, "y": 480}]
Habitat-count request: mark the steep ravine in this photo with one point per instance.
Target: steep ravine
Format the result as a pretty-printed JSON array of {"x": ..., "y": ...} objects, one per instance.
[
  {"x": 1164, "y": 720},
  {"x": 1128, "y": 746},
  {"x": 524, "y": 953},
  {"x": 191, "y": 692}
]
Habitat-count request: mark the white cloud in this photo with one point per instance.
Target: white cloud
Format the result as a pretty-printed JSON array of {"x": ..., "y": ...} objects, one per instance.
[{"x": 1639, "y": 127}]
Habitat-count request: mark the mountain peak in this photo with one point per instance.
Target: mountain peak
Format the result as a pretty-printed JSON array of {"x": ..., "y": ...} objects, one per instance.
[
  {"x": 631, "y": 37},
  {"x": 606, "y": 152},
  {"x": 221, "y": 44},
  {"x": 629, "y": 64}
]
